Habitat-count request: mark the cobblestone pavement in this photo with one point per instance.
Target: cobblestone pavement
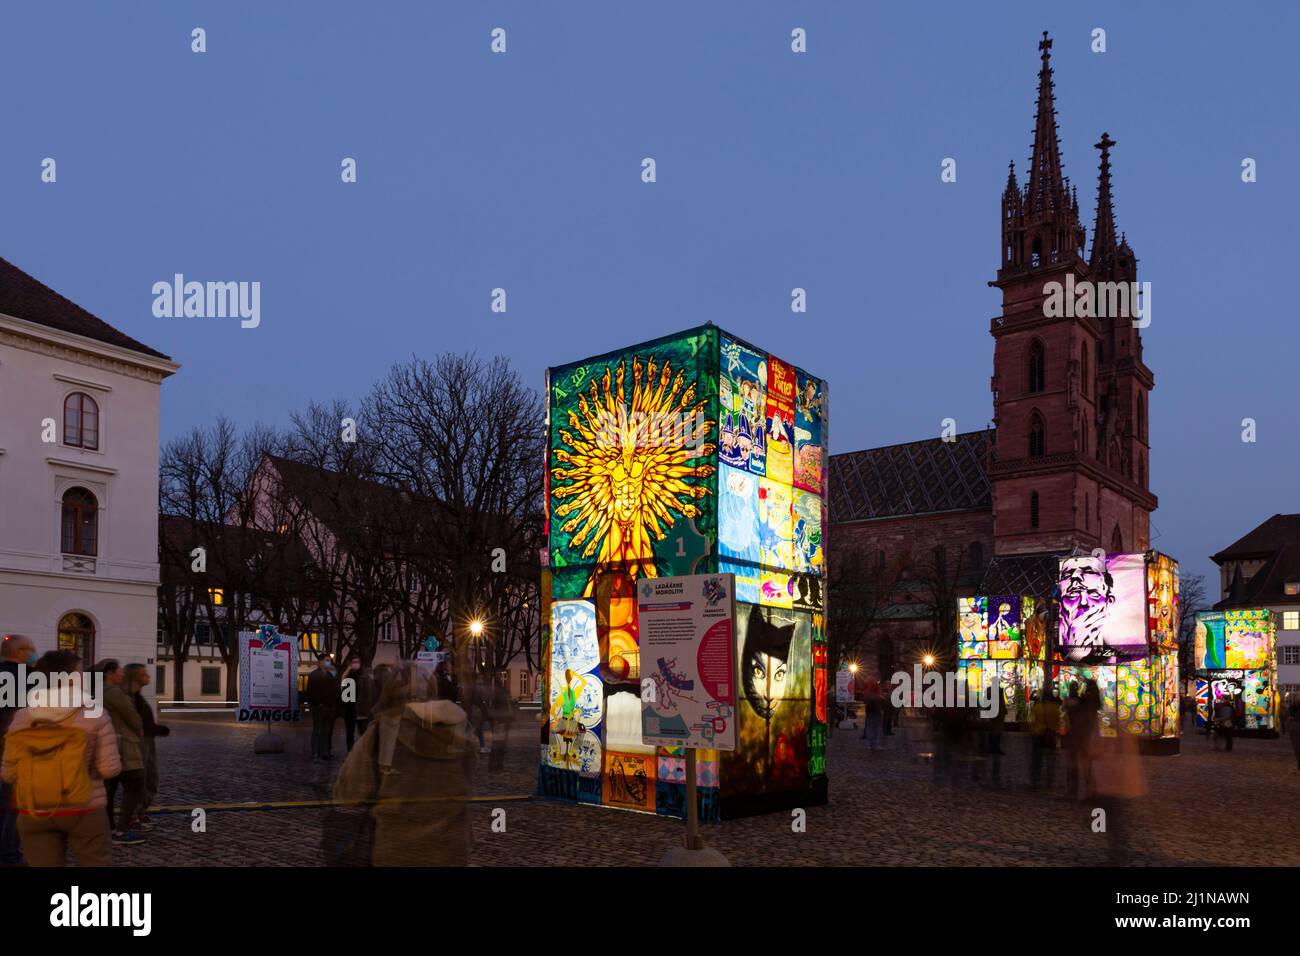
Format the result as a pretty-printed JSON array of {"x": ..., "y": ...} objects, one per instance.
[{"x": 1206, "y": 807}]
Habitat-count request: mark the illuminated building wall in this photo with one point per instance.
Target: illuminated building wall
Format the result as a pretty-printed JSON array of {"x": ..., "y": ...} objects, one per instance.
[{"x": 695, "y": 453}]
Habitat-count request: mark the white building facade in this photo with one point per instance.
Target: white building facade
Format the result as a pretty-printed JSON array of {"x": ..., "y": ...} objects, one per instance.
[{"x": 79, "y": 422}]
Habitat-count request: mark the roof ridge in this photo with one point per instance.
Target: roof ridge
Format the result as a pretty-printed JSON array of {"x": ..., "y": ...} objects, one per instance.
[{"x": 26, "y": 297}]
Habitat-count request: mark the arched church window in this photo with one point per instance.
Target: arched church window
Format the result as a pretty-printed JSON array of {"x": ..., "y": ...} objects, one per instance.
[
  {"x": 1037, "y": 366},
  {"x": 1037, "y": 439}
]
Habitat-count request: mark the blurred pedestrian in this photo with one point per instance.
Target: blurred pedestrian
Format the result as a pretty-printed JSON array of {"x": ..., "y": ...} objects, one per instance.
[
  {"x": 996, "y": 725},
  {"x": 14, "y": 650},
  {"x": 130, "y": 748},
  {"x": 56, "y": 758},
  {"x": 416, "y": 761},
  {"x": 448, "y": 685},
  {"x": 357, "y": 694},
  {"x": 874, "y": 714},
  {"x": 1119, "y": 783},
  {"x": 1089, "y": 735},
  {"x": 1045, "y": 727},
  {"x": 480, "y": 704},
  {"x": 1294, "y": 732},
  {"x": 324, "y": 695},
  {"x": 136, "y": 679},
  {"x": 1224, "y": 718},
  {"x": 502, "y": 713},
  {"x": 888, "y": 713}
]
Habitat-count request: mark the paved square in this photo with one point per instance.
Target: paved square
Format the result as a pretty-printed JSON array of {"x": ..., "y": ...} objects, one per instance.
[{"x": 1206, "y": 807}]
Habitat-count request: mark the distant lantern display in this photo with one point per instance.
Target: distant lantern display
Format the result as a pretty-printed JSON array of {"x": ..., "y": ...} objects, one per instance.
[
  {"x": 1235, "y": 658},
  {"x": 696, "y": 453},
  {"x": 1116, "y": 625}
]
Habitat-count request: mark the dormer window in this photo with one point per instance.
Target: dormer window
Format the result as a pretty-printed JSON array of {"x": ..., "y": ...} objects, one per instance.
[
  {"x": 1291, "y": 588},
  {"x": 81, "y": 422}
]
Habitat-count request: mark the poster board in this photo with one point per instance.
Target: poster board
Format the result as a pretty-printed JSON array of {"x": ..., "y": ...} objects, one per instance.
[
  {"x": 268, "y": 677},
  {"x": 688, "y": 687}
]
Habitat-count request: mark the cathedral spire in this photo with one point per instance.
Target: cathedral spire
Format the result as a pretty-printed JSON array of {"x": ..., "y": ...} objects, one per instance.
[
  {"x": 1046, "y": 191},
  {"x": 1040, "y": 226},
  {"x": 1103, "y": 233}
]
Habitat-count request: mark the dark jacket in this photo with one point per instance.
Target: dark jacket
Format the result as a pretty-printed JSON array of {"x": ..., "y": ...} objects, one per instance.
[
  {"x": 8, "y": 712},
  {"x": 323, "y": 692},
  {"x": 151, "y": 727},
  {"x": 367, "y": 692}
]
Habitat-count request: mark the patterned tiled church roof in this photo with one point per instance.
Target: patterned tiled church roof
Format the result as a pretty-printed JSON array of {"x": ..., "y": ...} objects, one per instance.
[
  {"x": 1035, "y": 575},
  {"x": 920, "y": 477}
]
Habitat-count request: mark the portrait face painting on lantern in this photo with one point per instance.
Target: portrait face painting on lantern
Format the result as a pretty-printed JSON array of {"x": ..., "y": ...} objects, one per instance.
[{"x": 1103, "y": 606}]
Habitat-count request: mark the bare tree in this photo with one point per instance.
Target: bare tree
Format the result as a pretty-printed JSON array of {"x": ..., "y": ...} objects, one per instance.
[
  {"x": 860, "y": 588},
  {"x": 205, "y": 479},
  {"x": 941, "y": 580},
  {"x": 464, "y": 437},
  {"x": 1192, "y": 597}
]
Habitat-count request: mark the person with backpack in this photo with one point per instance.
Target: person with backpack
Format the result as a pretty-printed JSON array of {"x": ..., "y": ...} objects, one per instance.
[
  {"x": 56, "y": 758},
  {"x": 14, "y": 650},
  {"x": 130, "y": 735}
]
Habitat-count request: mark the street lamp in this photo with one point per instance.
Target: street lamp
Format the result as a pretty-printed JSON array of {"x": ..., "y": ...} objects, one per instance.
[
  {"x": 476, "y": 627},
  {"x": 928, "y": 660}
]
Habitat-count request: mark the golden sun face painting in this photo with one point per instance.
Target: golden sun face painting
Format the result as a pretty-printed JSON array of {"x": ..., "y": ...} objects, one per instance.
[{"x": 630, "y": 461}]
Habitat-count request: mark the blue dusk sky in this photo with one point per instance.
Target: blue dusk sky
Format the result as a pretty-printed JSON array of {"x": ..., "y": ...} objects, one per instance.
[{"x": 775, "y": 170}]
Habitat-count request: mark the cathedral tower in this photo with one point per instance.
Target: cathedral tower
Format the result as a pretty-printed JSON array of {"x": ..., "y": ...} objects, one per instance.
[{"x": 1069, "y": 463}]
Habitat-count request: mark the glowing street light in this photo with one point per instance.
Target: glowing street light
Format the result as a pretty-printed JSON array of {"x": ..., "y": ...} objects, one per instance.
[
  {"x": 853, "y": 668},
  {"x": 476, "y": 627},
  {"x": 928, "y": 660}
]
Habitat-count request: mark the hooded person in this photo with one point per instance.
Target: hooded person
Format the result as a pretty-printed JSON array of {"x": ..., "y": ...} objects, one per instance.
[
  {"x": 56, "y": 758},
  {"x": 416, "y": 761}
]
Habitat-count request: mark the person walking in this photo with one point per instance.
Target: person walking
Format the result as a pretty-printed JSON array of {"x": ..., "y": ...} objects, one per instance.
[
  {"x": 1070, "y": 739},
  {"x": 1045, "y": 726},
  {"x": 1119, "y": 783},
  {"x": 888, "y": 713},
  {"x": 448, "y": 687},
  {"x": 481, "y": 703},
  {"x": 873, "y": 716},
  {"x": 1293, "y": 731},
  {"x": 1224, "y": 718},
  {"x": 501, "y": 713},
  {"x": 14, "y": 650},
  {"x": 136, "y": 680},
  {"x": 357, "y": 693},
  {"x": 130, "y": 735},
  {"x": 996, "y": 725},
  {"x": 416, "y": 761},
  {"x": 1089, "y": 730},
  {"x": 323, "y": 692},
  {"x": 56, "y": 758}
]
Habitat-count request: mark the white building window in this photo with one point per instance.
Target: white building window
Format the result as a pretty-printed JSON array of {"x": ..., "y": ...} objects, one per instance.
[
  {"x": 80, "y": 525},
  {"x": 1291, "y": 653},
  {"x": 386, "y": 632},
  {"x": 81, "y": 421},
  {"x": 1291, "y": 620}
]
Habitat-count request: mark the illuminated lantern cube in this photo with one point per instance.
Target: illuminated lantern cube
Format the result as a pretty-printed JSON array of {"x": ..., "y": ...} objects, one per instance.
[{"x": 695, "y": 453}]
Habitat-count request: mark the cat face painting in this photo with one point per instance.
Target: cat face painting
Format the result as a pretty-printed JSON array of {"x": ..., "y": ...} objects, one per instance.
[{"x": 765, "y": 662}]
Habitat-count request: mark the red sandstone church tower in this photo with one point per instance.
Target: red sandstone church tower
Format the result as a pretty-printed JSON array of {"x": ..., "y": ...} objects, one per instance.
[{"x": 1068, "y": 464}]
